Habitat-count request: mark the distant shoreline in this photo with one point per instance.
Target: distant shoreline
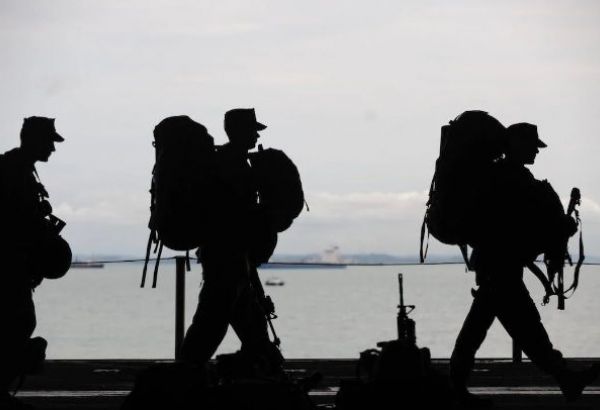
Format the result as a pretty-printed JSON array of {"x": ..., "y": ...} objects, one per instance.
[{"x": 294, "y": 260}]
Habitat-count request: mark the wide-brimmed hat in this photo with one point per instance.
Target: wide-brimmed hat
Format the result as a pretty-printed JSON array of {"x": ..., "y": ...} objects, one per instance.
[
  {"x": 242, "y": 118},
  {"x": 527, "y": 132},
  {"x": 41, "y": 127}
]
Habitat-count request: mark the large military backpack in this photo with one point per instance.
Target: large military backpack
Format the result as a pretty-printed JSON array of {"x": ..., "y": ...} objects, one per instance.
[
  {"x": 281, "y": 199},
  {"x": 281, "y": 196},
  {"x": 470, "y": 145},
  {"x": 181, "y": 188}
]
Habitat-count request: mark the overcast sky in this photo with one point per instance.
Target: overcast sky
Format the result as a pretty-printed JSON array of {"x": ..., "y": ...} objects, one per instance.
[{"x": 354, "y": 92}]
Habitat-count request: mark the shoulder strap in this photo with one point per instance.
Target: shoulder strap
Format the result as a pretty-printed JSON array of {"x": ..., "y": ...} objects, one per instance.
[
  {"x": 581, "y": 258},
  {"x": 423, "y": 251}
]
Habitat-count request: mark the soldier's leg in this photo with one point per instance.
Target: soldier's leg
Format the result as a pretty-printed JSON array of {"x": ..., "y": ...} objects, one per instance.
[
  {"x": 249, "y": 320},
  {"x": 17, "y": 321},
  {"x": 250, "y": 324},
  {"x": 215, "y": 308},
  {"x": 521, "y": 319},
  {"x": 471, "y": 336}
]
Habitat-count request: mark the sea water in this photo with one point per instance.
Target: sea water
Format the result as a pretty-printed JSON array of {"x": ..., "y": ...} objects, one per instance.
[{"x": 323, "y": 313}]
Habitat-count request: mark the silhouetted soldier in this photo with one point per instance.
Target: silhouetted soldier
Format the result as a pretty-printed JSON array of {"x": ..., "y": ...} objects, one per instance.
[
  {"x": 227, "y": 296},
  {"x": 498, "y": 261},
  {"x": 23, "y": 209}
]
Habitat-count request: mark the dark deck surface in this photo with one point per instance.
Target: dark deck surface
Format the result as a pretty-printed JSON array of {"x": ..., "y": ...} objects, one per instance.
[{"x": 103, "y": 384}]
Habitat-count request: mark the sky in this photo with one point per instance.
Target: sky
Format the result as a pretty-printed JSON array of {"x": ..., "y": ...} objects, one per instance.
[{"x": 354, "y": 92}]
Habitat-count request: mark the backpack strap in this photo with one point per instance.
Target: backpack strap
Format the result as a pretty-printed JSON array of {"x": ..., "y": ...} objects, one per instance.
[
  {"x": 151, "y": 239},
  {"x": 581, "y": 258},
  {"x": 465, "y": 254},
  {"x": 543, "y": 278},
  {"x": 423, "y": 252},
  {"x": 155, "y": 278}
]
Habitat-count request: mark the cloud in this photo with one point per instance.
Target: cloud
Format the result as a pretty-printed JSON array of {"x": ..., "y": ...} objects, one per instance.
[
  {"x": 367, "y": 205},
  {"x": 591, "y": 207},
  {"x": 357, "y": 222},
  {"x": 383, "y": 222},
  {"x": 123, "y": 209}
]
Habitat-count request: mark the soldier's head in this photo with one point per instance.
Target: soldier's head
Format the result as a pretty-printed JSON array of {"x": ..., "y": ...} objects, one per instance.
[
  {"x": 242, "y": 128},
  {"x": 38, "y": 136},
  {"x": 523, "y": 143}
]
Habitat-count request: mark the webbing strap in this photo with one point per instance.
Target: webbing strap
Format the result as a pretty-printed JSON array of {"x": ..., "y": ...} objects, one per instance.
[
  {"x": 155, "y": 279},
  {"x": 580, "y": 260},
  {"x": 541, "y": 275},
  {"x": 148, "y": 249},
  {"x": 465, "y": 254},
  {"x": 423, "y": 252}
]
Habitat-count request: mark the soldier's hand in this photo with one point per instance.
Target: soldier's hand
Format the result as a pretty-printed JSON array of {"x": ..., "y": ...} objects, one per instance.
[
  {"x": 268, "y": 305},
  {"x": 45, "y": 208},
  {"x": 546, "y": 299},
  {"x": 549, "y": 292}
]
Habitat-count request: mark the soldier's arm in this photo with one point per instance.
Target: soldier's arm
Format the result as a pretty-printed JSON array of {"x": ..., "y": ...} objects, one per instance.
[{"x": 23, "y": 221}]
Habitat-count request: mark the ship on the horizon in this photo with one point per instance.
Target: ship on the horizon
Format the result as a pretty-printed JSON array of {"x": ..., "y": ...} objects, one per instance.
[{"x": 330, "y": 258}]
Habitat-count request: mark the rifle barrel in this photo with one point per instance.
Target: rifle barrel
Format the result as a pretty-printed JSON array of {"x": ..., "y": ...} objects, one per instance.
[{"x": 401, "y": 290}]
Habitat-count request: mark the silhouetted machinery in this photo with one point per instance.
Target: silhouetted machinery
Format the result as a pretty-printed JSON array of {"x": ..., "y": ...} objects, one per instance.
[{"x": 396, "y": 375}]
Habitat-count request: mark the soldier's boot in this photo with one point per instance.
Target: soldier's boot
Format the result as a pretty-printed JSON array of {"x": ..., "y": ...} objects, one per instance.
[
  {"x": 35, "y": 355},
  {"x": 463, "y": 398},
  {"x": 573, "y": 382},
  {"x": 270, "y": 363}
]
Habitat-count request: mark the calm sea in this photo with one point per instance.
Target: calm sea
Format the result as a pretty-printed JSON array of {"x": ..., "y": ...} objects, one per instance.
[{"x": 323, "y": 313}]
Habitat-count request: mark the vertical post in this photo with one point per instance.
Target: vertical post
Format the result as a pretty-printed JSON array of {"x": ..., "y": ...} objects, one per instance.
[
  {"x": 179, "y": 303},
  {"x": 516, "y": 353}
]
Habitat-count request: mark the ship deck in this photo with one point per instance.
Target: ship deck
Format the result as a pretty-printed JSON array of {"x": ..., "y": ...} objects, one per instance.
[{"x": 103, "y": 384}]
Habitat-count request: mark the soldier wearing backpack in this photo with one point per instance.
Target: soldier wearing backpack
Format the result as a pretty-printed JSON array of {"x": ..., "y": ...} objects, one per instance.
[
  {"x": 227, "y": 296},
  {"x": 521, "y": 204},
  {"x": 27, "y": 228}
]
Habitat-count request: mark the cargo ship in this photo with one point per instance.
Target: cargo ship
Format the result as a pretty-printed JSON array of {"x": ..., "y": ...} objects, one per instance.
[{"x": 330, "y": 258}]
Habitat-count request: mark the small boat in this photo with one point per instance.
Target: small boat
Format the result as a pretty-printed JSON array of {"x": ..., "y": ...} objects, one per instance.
[{"x": 274, "y": 282}]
